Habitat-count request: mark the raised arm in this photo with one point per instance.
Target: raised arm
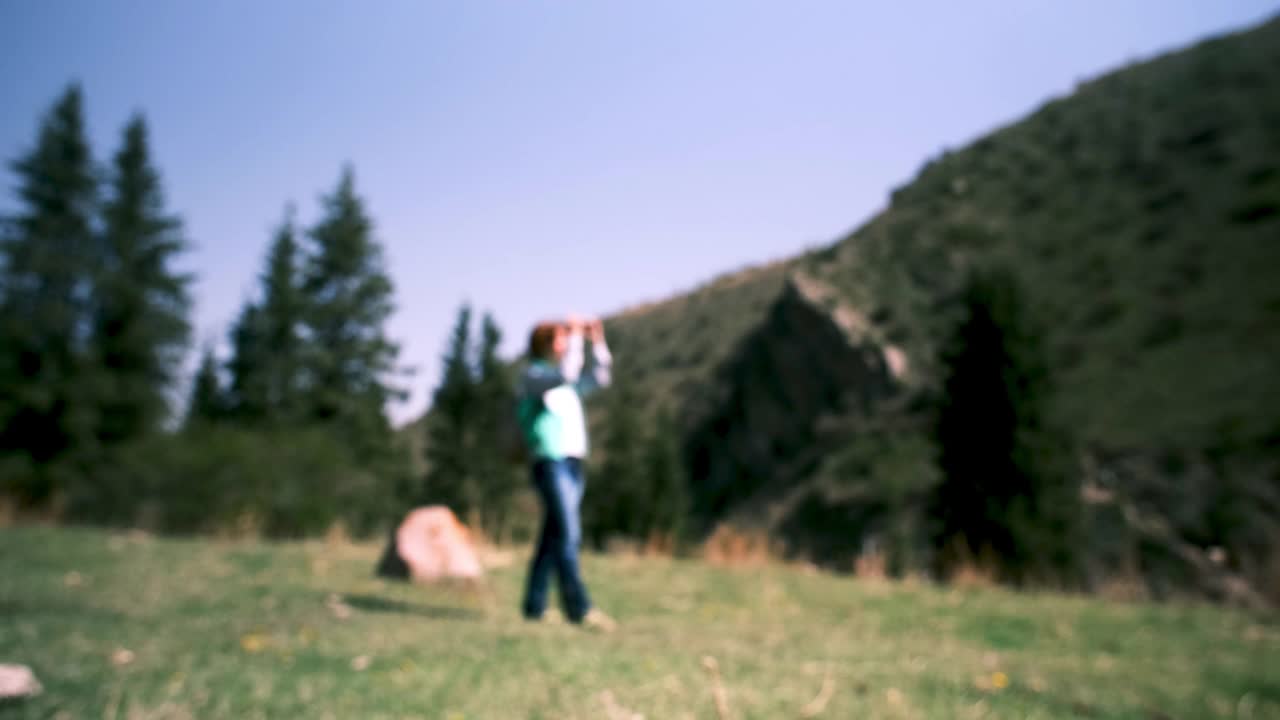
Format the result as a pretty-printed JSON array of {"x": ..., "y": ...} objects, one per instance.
[
  {"x": 571, "y": 361},
  {"x": 599, "y": 371},
  {"x": 574, "y": 368}
]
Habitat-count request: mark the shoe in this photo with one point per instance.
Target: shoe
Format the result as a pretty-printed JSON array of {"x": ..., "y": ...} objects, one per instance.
[
  {"x": 551, "y": 618},
  {"x": 597, "y": 620}
]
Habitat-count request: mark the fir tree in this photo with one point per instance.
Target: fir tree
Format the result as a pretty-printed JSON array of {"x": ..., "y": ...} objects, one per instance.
[
  {"x": 495, "y": 397},
  {"x": 46, "y": 260},
  {"x": 141, "y": 303},
  {"x": 619, "y": 504},
  {"x": 247, "y": 395},
  {"x": 269, "y": 356},
  {"x": 1008, "y": 490},
  {"x": 668, "y": 483},
  {"x": 208, "y": 402},
  {"x": 451, "y": 472},
  {"x": 348, "y": 299}
]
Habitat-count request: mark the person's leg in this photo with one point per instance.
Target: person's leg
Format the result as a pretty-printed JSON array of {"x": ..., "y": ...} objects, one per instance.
[
  {"x": 570, "y": 483},
  {"x": 543, "y": 562}
]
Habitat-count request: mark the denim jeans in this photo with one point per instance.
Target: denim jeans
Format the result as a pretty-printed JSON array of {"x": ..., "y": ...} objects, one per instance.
[{"x": 560, "y": 484}]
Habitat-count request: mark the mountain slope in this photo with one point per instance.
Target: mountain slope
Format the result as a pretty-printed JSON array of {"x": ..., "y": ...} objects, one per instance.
[
  {"x": 1142, "y": 213},
  {"x": 1140, "y": 216},
  {"x": 672, "y": 348}
]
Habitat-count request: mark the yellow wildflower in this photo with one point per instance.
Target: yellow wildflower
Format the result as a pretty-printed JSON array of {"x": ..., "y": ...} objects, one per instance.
[{"x": 252, "y": 643}]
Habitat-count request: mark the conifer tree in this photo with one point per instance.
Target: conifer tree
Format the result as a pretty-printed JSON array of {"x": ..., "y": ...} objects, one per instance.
[
  {"x": 269, "y": 356},
  {"x": 46, "y": 269},
  {"x": 1008, "y": 490},
  {"x": 668, "y": 483},
  {"x": 347, "y": 296},
  {"x": 497, "y": 477},
  {"x": 208, "y": 403},
  {"x": 140, "y": 302},
  {"x": 619, "y": 504},
  {"x": 451, "y": 472},
  {"x": 246, "y": 396}
]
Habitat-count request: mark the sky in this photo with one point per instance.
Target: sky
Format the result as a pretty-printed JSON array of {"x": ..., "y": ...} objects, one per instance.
[{"x": 539, "y": 158}]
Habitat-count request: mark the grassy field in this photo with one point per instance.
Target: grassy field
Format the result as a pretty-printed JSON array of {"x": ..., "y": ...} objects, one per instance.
[{"x": 127, "y": 626}]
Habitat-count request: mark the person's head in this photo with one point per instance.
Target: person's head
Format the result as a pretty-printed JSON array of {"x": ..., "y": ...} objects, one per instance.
[{"x": 548, "y": 341}]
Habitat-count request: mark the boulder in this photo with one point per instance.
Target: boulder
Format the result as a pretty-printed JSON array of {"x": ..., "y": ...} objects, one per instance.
[
  {"x": 17, "y": 682},
  {"x": 430, "y": 545}
]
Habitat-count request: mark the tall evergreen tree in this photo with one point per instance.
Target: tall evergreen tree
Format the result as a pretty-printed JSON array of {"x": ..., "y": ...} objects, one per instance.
[
  {"x": 247, "y": 395},
  {"x": 282, "y": 315},
  {"x": 140, "y": 327},
  {"x": 619, "y": 504},
  {"x": 451, "y": 471},
  {"x": 268, "y": 355},
  {"x": 668, "y": 483},
  {"x": 348, "y": 297},
  {"x": 208, "y": 403},
  {"x": 46, "y": 262},
  {"x": 1008, "y": 489},
  {"x": 497, "y": 477}
]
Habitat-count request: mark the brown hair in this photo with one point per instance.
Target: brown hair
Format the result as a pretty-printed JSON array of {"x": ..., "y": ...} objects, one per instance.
[{"x": 541, "y": 339}]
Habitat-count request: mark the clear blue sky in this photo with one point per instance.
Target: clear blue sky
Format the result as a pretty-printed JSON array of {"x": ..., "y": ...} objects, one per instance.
[{"x": 538, "y": 158}]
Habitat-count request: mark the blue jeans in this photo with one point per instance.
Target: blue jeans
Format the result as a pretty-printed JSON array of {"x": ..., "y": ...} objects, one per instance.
[{"x": 560, "y": 484}]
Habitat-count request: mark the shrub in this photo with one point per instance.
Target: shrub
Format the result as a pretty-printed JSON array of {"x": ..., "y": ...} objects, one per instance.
[{"x": 214, "y": 479}]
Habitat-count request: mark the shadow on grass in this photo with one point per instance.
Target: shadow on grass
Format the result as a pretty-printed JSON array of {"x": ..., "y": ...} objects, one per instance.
[
  {"x": 43, "y": 607},
  {"x": 1057, "y": 704},
  {"x": 373, "y": 603}
]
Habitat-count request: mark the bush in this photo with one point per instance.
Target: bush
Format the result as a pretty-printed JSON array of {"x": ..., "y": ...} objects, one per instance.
[{"x": 278, "y": 483}]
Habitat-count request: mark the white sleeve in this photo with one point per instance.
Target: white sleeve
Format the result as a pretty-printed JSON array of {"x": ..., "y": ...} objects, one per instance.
[
  {"x": 602, "y": 365},
  {"x": 571, "y": 362},
  {"x": 599, "y": 372}
]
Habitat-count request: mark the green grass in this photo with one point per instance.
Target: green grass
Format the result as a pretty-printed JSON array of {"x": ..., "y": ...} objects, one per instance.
[{"x": 243, "y": 630}]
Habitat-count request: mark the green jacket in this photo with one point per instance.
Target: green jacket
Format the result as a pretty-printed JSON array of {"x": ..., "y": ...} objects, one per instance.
[{"x": 549, "y": 404}]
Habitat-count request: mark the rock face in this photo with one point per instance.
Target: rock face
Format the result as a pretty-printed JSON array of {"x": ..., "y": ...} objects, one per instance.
[
  {"x": 812, "y": 358},
  {"x": 17, "y": 682},
  {"x": 430, "y": 545}
]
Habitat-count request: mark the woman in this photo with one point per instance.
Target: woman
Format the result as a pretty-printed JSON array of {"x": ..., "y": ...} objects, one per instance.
[{"x": 555, "y": 430}]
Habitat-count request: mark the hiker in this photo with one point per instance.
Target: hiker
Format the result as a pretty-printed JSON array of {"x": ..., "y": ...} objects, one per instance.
[{"x": 549, "y": 409}]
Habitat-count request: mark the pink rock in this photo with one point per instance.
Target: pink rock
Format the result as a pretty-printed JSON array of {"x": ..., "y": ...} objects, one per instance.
[
  {"x": 435, "y": 546},
  {"x": 17, "y": 681}
]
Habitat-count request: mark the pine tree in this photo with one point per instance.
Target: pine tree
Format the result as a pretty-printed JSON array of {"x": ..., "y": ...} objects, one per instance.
[
  {"x": 247, "y": 396},
  {"x": 47, "y": 257},
  {"x": 268, "y": 359},
  {"x": 207, "y": 403},
  {"x": 451, "y": 471},
  {"x": 619, "y": 504},
  {"x": 140, "y": 326},
  {"x": 348, "y": 299},
  {"x": 495, "y": 398},
  {"x": 1008, "y": 488},
  {"x": 668, "y": 483}
]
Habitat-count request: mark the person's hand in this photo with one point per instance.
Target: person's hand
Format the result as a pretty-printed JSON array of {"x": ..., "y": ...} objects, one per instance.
[
  {"x": 574, "y": 323},
  {"x": 595, "y": 330}
]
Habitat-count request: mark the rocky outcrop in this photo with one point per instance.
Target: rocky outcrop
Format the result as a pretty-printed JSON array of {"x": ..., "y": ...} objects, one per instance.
[{"x": 813, "y": 357}]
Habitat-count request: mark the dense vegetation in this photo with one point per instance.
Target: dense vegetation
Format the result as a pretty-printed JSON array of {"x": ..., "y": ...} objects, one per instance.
[
  {"x": 94, "y": 326},
  {"x": 1138, "y": 218}
]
